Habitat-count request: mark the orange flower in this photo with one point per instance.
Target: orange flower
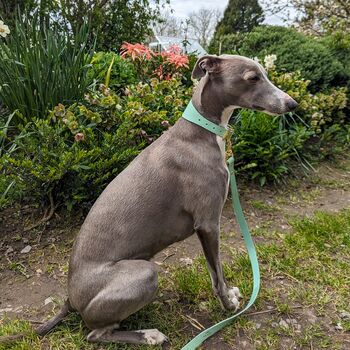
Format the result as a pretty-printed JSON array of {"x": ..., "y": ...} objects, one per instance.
[
  {"x": 174, "y": 56},
  {"x": 178, "y": 60},
  {"x": 175, "y": 49},
  {"x": 136, "y": 51}
]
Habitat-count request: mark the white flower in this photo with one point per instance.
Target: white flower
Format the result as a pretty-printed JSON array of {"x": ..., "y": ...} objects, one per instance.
[
  {"x": 4, "y": 29},
  {"x": 256, "y": 59},
  {"x": 269, "y": 61}
]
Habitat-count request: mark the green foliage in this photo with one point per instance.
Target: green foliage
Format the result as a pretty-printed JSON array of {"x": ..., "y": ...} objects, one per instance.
[
  {"x": 122, "y": 73},
  {"x": 112, "y": 21},
  {"x": 339, "y": 44},
  {"x": 295, "y": 52},
  {"x": 320, "y": 110},
  {"x": 240, "y": 16},
  {"x": 263, "y": 145},
  {"x": 41, "y": 68},
  {"x": 75, "y": 151},
  {"x": 9, "y": 9}
]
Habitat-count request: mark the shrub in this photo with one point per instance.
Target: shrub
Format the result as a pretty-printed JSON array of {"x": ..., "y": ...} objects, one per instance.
[
  {"x": 40, "y": 68},
  {"x": 122, "y": 72},
  {"x": 339, "y": 45},
  {"x": 149, "y": 64},
  {"x": 295, "y": 52},
  {"x": 73, "y": 153},
  {"x": 264, "y": 145},
  {"x": 320, "y": 110}
]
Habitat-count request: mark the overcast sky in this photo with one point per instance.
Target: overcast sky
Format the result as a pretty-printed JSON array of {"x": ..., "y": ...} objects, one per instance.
[{"x": 184, "y": 7}]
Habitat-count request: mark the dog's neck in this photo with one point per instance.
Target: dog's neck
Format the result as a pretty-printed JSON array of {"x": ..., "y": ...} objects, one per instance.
[{"x": 209, "y": 102}]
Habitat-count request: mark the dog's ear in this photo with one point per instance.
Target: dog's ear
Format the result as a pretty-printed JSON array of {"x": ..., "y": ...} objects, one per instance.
[{"x": 206, "y": 64}]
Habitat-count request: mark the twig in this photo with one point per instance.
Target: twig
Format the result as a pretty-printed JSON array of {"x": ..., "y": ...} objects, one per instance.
[
  {"x": 196, "y": 324},
  {"x": 45, "y": 217},
  {"x": 168, "y": 256},
  {"x": 34, "y": 321},
  {"x": 288, "y": 275},
  {"x": 271, "y": 310}
]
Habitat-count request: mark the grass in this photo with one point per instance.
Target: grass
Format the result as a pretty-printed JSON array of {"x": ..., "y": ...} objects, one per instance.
[{"x": 305, "y": 270}]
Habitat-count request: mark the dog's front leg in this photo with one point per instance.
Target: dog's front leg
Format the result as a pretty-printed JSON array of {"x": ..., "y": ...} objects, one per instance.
[{"x": 209, "y": 238}]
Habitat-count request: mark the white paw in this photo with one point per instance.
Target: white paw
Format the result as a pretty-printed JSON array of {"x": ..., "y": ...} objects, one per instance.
[
  {"x": 234, "y": 292},
  {"x": 233, "y": 295},
  {"x": 153, "y": 336}
]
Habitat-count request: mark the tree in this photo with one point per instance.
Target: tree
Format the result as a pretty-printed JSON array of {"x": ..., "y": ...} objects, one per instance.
[
  {"x": 202, "y": 24},
  {"x": 240, "y": 16},
  {"x": 316, "y": 17},
  {"x": 112, "y": 21},
  {"x": 168, "y": 25},
  {"x": 9, "y": 9}
]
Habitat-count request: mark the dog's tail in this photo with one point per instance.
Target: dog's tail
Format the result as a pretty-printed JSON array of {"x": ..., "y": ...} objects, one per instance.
[{"x": 44, "y": 328}]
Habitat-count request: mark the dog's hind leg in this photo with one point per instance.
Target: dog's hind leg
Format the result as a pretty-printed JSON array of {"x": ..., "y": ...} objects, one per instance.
[
  {"x": 146, "y": 336},
  {"x": 116, "y": 291}
]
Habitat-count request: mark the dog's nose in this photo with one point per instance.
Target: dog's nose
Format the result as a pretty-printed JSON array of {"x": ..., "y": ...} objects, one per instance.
[{"x": 291, "y": 104}]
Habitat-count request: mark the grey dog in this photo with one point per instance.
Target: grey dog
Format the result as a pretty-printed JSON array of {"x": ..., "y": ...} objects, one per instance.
[{"x": 174, "y": 188}]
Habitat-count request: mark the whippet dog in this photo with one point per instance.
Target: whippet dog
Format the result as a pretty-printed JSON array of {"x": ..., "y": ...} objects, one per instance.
[{"x": 174, "y": 188}]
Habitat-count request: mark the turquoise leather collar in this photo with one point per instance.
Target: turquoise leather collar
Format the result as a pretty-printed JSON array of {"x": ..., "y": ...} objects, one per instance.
[{"x": 192, "y": 115}]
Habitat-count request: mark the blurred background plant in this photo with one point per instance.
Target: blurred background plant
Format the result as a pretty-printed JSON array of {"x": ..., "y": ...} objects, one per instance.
[{"x": 40, "y": 68}]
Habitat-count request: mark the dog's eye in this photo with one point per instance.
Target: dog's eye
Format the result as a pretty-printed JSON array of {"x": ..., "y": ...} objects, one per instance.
[{"x": 254, "y": 78}]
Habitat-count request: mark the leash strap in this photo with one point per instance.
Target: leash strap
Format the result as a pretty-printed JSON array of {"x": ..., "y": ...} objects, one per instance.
[{"x": 236, "y": 205}]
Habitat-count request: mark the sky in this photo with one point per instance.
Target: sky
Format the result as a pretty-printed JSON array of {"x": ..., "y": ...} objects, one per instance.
[{"x": 184, "y": 7}]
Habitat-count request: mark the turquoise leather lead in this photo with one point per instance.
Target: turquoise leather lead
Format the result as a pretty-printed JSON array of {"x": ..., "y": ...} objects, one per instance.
[{"x": 201, "y": 337}]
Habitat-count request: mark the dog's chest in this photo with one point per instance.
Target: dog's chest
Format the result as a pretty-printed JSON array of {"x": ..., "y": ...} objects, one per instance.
[{"x": 221, "y": 144}]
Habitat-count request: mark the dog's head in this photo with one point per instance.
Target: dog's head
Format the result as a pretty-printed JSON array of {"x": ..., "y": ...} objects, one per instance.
[{"x": 243, "y": 82}]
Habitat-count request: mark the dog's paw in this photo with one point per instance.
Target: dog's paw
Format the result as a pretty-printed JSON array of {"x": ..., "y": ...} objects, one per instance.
[
  {"x": 232, "y": 302},
  {"x": 234, "y": 292},
  {"x": 153, "y": 336}
]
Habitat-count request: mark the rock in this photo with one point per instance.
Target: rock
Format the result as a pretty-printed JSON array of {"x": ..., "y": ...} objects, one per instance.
[
  {"x": 187, "y": 261},
  {"x": 283, "y": 324},
  {"x": 9, "y": 250},
  {"x": 291, "y": 321},
  {"x": 48, "y": 301},
  {"x": 26, "y": 249},
  {"x": 345, "y": 315},
  {"x": 25, "y": 240},
  {"x": 257, "y": 325},
  {"x": 274, "y": 324},
  {"x": 338, "y": 327}
]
